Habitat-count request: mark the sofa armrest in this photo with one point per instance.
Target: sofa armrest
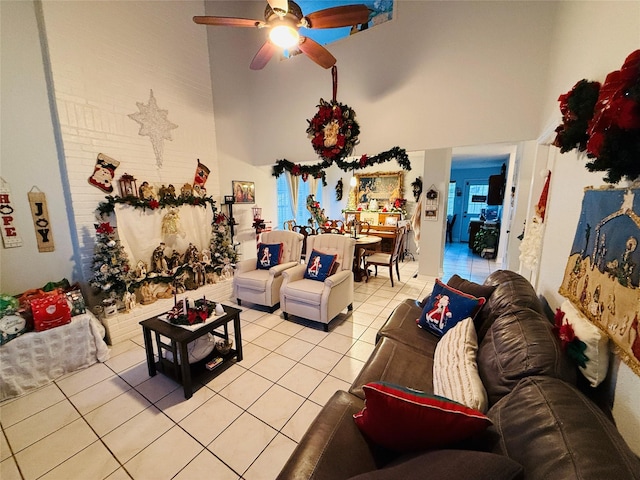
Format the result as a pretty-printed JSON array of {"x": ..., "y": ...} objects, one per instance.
[
  {"x": 277, "y": 270},
  {"x": 293, "y": 274},
  {"x": 338, "y": 278},
  {"x": 333, "y": 447}
]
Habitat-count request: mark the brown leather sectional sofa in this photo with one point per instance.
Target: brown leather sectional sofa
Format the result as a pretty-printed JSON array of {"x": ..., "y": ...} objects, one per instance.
[{"x": 544, "y": 427}]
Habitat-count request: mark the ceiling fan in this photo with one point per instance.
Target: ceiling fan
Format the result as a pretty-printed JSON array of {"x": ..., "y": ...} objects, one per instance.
[{"x": 283, "y": 19}]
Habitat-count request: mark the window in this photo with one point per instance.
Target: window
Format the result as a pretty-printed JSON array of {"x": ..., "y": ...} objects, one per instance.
[
  {"x": 477, "y": 198},
  {"x": 451, "y": 198},
  {"x": 284, "y": 201}
]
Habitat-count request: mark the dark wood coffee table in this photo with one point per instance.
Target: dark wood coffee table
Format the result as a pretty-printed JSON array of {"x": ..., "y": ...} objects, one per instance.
[{"x": 179, "y": 338}]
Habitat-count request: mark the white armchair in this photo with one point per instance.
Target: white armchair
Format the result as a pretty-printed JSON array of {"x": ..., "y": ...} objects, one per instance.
[
  {"x": 260, "y": 286},
  {"x": 316, "y": 300}
]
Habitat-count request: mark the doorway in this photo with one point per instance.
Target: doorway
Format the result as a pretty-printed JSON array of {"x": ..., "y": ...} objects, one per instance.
[{"x": 474, "y": 201}]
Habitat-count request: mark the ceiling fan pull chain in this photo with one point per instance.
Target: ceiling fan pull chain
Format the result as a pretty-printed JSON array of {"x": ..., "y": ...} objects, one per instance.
[{"x": 334, "y": 77}]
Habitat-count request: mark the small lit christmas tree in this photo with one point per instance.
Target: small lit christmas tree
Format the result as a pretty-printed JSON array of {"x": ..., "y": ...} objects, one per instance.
[
  {"x": 223, "y": 255},
  {"x": 111, "y": 270}
]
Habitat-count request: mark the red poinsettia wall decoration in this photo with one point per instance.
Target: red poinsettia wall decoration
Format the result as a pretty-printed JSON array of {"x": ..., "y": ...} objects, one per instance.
[{"x": 609, "y": 128}]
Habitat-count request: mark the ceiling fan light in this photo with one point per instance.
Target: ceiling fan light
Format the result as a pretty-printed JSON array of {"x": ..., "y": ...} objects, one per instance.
[{"x": 284, "y": 36}]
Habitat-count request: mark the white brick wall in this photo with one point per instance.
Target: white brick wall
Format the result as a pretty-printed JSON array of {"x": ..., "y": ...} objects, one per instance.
[
  {"x": 126, "y": 325},
  {"x": 105, "y": 57}
]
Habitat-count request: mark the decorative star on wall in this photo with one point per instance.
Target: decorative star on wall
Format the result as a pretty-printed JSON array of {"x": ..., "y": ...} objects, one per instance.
[{"x": 154, "y": 124}]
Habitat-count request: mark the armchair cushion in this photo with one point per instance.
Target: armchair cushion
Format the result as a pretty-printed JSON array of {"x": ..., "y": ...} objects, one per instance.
[
  {"x": 269, "y": 255},
  {"x": 320, "y": 266}
]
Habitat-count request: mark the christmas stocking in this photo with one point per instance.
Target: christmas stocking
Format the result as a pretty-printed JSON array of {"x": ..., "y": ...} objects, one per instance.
[
  {"x": 202, "y": 173},
  {"x": 103, "y": 173}
]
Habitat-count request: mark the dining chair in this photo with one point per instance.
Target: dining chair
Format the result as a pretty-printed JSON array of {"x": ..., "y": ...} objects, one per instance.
[
  {"x": 376, "y": 259},
  {"x": 305, "y": 231},
  {"x": 288, "y": 225},
  {"x": 327, "y": 229},
  {"x": 363, "y": 228},
  {"x": 451, "y": 220}
]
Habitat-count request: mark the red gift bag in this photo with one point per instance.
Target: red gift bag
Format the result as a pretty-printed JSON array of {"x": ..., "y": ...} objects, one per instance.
[{"x": 50, "y": 311}]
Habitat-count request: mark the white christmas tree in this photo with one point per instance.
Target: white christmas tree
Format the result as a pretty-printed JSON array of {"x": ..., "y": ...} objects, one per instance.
[
  {"x": 223, "y": 255},
  {"x": 111, "y": 270}
]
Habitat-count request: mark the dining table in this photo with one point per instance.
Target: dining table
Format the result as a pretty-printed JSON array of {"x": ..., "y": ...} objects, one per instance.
[{"x": 362, "y": 242}]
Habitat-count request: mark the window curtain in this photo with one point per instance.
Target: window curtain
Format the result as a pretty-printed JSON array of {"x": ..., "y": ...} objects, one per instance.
[
  {"x": 313, "y": 187},
  {"x": 292, "y": 183}
]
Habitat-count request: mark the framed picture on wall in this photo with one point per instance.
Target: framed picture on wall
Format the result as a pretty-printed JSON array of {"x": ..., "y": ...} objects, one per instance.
[
  {"x": 382, "y": 186},
  {"x": 243, "y": 192}
]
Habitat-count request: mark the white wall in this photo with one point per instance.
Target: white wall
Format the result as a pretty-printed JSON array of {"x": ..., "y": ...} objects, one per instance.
[
  {"x": 441, "y": 74},
  {"x": 592, "y": 39},
  {"x": 101, "y": 68},
  {"x": 28, "y": 156}
]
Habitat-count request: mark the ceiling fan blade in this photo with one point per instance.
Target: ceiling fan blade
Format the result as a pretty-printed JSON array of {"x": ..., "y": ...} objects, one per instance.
[
  {"x": 227, "y": 21},
  {"x": 281, "y": 7},
  {"x": 317, "y": 52},
  {"x": 263, "y": 56},
  {"x": 345, "y": 16}
]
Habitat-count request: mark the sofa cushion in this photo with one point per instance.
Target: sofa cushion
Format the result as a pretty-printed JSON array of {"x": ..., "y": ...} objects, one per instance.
[
  {"x": 555, "y": 432},
  {"x": 394, "y": 362},
  {"x": 446, "y": 307},
  {"x": 401, "y": 326},
  {"x": 305, "y": 291},
  {"x": 406, "y": 420},
  {"x": 512, "y": 290},
  {"x": 596, "y": 364},
  {"x": 449, "y": 465},
  {"x": 253, "y": 279},
  {"x": 269, "y": 255},
  {"x": 319, "y": 266},
  {"x": 520, "y": 343},
  {"x": 472, "y": 288},
  {"x": 455, "y": 372}
]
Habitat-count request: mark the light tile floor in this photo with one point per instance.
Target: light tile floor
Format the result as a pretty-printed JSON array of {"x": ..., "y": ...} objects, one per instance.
[{"x": 112, "y": 421}]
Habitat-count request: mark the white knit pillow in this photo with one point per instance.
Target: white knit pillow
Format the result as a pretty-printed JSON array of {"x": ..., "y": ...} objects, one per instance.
[{"x": 455, "y": 371}]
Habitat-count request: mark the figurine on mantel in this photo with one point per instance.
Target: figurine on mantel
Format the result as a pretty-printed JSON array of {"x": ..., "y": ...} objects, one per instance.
[
  {"x": 146, "y": 294},
  {"x": 141, "y": 270},
  {"x": 129, "y": 300},
  {"x": 147, "y": 192},
  {"x": 158, "y": 261},
  {"x": 174, "y": 261},
  {"x": 191, "y": 254}
]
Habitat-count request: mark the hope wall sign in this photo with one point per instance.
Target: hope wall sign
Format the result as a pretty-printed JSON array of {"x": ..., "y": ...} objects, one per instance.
[{"x": 10, "y": 237}]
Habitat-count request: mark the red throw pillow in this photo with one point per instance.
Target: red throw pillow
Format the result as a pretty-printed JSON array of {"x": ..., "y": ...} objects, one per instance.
[{"x": 405, "y": 420}]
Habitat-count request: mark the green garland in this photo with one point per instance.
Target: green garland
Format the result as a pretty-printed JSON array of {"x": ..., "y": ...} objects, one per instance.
[
  {"x": 317, "y": 170},
  {"x": 108, "y": 206}
]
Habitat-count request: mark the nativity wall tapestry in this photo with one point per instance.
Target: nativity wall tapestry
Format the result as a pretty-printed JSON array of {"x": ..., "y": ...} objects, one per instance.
[{"x": 602, "y": 275}]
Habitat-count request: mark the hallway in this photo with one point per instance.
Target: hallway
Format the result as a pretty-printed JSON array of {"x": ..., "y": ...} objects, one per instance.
[{"x": 458, "y": 258}]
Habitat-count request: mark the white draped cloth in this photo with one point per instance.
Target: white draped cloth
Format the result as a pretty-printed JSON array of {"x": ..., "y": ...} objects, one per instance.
[
  {"x": 140, "y": 231},
  {"x": 415, "y": 223}
]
